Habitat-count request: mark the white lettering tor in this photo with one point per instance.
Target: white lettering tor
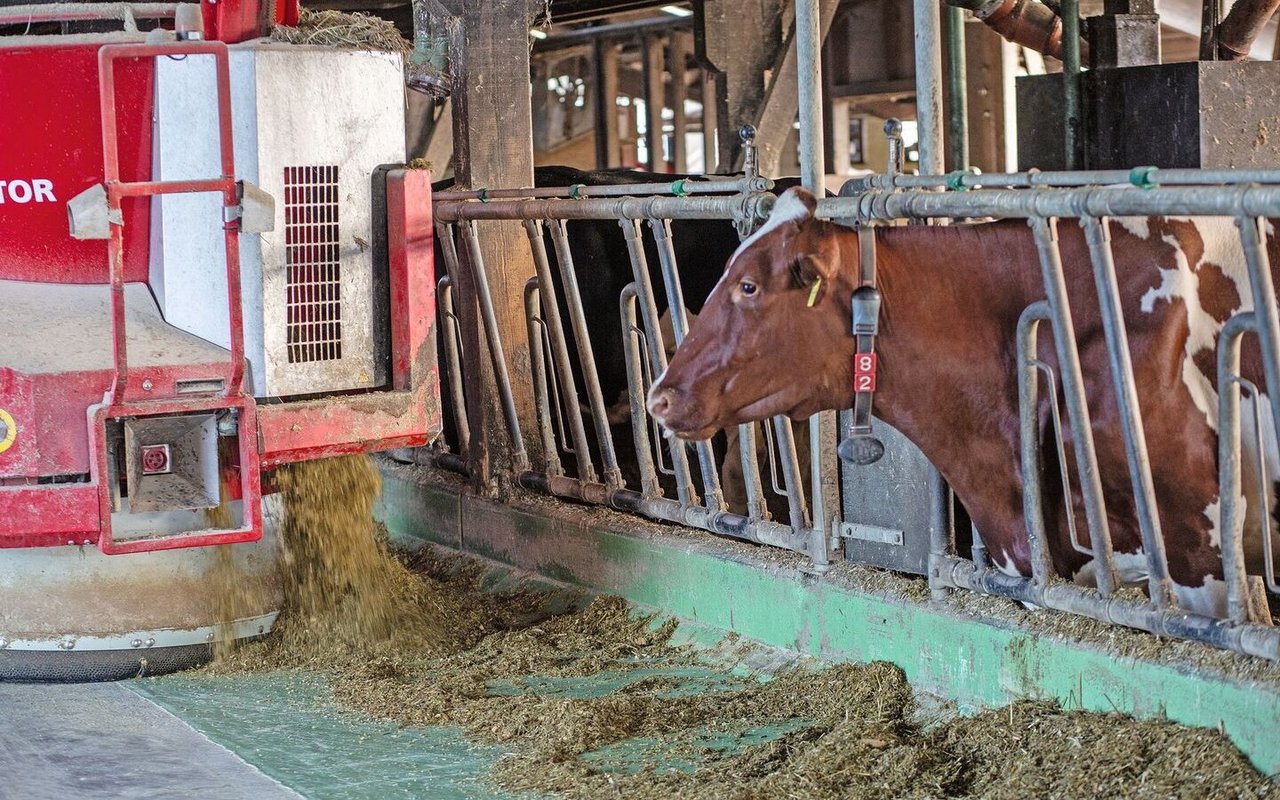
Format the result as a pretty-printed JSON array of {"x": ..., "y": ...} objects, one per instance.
[{"x": 20, "y": 191}]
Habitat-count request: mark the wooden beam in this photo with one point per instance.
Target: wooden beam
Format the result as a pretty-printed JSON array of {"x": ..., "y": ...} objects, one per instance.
[
  {"x": 991, "y": 65},
  {"x": 710, "y": 124},
  {"x": 740, "y": 40},
  {"x": 606, "y": 66},
  {"x": 677, "y": 61},
  {"x": 493, "y": 146},
  {"x": 654, "y": 99},
  {"x": 777, "y": 115}
]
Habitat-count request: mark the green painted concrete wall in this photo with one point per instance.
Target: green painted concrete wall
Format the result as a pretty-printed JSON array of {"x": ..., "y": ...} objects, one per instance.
[{"x": 972, "y": 662}]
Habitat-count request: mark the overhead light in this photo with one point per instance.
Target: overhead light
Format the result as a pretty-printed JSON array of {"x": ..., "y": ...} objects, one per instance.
[
  {"x": 537, "y": 34},
  {"x": 678, "y": 11}
]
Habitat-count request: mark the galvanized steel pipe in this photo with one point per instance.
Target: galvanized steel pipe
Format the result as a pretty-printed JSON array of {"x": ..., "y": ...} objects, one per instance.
[
  {"x": 667, "y": 510},
  {"x": 519, "y": 456},
  {"x": 1135, "y": 441},
  {"x": 586, "y": 355},
  {"x": 809, "y": 84},
  {"x": 1139, "y": 177},
  {"x": 1064, "y": 339},
  {"x": 928, "y": 55},
  {"x": 559, "y": 348},
  {"x": 1254, "y": 201},
  {"x": 1231, "y": 521},
  {"x": 957, "y": 94},
  {"x": 1071, "y": 107},
  {"x": 743, "y": 206},
  {"x": 537, "y": 365},
  {"x": 1253, "y": 640},
  {"x": 679, "y": 187},
  {"x": 1029, "y": 426}
]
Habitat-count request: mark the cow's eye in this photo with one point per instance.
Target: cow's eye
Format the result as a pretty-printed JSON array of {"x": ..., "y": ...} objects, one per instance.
[{"x": 749, "y": 289}]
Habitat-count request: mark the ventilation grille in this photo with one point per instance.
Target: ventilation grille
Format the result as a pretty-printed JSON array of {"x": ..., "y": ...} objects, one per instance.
[{"x": 314, "y": 282}]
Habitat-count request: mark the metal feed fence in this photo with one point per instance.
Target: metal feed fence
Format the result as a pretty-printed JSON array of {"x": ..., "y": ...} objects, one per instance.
[
  {"x": 584, "y": 455},
  {"x": 1248, "y": 197},
  {"x": 585, "y": 462}
]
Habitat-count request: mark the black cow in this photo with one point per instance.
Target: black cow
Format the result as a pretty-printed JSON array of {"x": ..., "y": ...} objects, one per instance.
[
  {"x": 702, "y": 248},
  {"x": 603, "y": 265}
]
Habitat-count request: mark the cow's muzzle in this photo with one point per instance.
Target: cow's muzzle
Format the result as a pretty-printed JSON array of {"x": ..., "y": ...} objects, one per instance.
[{"x": 660, "y": 401}]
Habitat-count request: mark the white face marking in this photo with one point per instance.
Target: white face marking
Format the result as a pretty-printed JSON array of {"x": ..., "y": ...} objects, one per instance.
[
  {"x": 1181, "y": 282},
  {"x": 789, "y": 208}
]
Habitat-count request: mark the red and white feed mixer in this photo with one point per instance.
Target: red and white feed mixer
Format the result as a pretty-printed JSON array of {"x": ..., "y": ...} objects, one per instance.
[{"x": 212, "y": 263}]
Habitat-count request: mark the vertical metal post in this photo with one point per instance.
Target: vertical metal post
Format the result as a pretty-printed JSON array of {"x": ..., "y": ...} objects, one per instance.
[
  {"x": 519, "y": 456},
  {"x": 538, "y": 366},
  {"x": 822, "y": 427},
  {"x": 1135, "y": 440},
  {"x": 453, "y": 359},
  {"x": 657, "y": 355},
  {"x": 1264, "y": 306},
  {"x": 928, "y": 39},
  {"x": 957, "y": 84},
  {"x": 1029, "y": 426},
  {"x": 1071, "y": 111},
  {"x": 679, "y": 324},
  {"x": 796, "y": 505},
  {"x": 586, "y": 356},
  {"x": 809, "y": 96},
  {"x": 649, "y": 486},
  {"x": 1229, "y": 493},
  {"x": 1064, "y": 338},
  {"x": 757, "y": 508},
  {"x": 550, "y": 316}
]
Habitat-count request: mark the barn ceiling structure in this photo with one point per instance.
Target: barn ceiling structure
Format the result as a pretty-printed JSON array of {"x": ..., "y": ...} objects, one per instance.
[{"x": 734, "y": 53}]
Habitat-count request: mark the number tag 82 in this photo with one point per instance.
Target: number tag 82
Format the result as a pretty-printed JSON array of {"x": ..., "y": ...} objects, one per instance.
[{"x": 864, "y": 372}]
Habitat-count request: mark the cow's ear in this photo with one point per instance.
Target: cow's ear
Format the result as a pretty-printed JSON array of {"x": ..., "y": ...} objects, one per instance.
[{"x": 812, "y": 269}]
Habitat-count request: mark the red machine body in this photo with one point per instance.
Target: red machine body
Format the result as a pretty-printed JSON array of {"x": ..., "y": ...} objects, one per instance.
[{"x": 86, "y": 113}]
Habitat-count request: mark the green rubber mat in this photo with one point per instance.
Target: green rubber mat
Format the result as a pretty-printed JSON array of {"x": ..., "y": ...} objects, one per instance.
[{"x": 285, "y": 725}]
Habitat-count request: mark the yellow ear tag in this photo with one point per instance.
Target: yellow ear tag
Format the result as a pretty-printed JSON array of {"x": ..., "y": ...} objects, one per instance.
[{"x": 813, "y": 293}]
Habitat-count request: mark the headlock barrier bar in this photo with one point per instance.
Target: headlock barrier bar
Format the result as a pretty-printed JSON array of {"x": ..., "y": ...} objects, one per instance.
[{"x": 562, "y": 373}]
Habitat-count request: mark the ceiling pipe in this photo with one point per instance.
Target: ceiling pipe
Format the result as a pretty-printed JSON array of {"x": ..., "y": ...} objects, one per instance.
[{"x": 1023, "y": 22}]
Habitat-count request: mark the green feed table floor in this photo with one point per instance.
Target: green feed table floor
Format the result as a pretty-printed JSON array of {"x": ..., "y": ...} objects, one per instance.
[{"x": 279, "y": 736}]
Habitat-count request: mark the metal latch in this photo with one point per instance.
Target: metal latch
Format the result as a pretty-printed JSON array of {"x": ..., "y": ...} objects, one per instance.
[{"x": 871, "y": 533}]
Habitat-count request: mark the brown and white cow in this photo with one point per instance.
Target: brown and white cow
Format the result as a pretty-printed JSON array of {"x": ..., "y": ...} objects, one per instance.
[{"x": 951, "y": 301}]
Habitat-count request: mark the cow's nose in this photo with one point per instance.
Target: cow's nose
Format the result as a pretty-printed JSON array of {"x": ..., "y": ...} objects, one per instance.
[{"x": 660, "y": 402}]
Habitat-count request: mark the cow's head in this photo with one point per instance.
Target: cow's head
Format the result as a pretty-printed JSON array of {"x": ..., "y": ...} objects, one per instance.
[{"x": 773, "y": 337}]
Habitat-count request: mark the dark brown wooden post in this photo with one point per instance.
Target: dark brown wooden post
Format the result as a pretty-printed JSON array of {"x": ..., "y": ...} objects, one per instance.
[
  {"x": 677, "y": 62},
  {"x": 606, "y": 67},
  {"x": 493, "y": 147},
  {"x": 655, "y": 95}
]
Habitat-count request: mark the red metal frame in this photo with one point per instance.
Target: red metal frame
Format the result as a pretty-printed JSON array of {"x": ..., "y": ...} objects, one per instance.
[
  {"x": 404, "y": 414},
  {"x": 120, "y": 400},
  {"x": 250, "y": 529},
  {"x": 407, "y": 415}
]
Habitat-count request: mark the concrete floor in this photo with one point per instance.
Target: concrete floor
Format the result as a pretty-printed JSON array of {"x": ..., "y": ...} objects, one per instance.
[{"x": 264, "y": 737}]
